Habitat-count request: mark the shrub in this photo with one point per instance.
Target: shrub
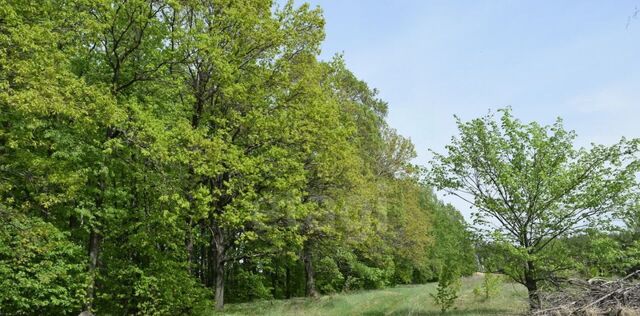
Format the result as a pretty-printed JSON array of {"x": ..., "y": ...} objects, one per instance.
[
  {"x": 41, "y": 270},
  {"x": 361, "y": 275},
  {"x": 247, "y": 286},
  {"x": 372, "y": 278},
  {"x": 403, "y": 273},
  {"x": 352, "y": 283},
  {"x": 164, "y": 287},
  {"x": 328, "y": 276}
]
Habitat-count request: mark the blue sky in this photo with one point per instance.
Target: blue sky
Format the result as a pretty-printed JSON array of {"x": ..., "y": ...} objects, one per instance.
[{"x": 579, "y": 60}]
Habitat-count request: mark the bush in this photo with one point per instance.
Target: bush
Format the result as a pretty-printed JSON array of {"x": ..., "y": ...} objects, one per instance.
[
  {"x": 403, "y": 273},
  {"x": 359, "y": 275},
  {"x": 171, "y": 292},
  {"x": 328, "y": 276},
  {"x": 352, "y": 283},
  {"x": 247, "y": 286},
  {"x": 164, "y": 287},
  {"x": 372, "y": 278},
  {"x": 41, "y": 270}
]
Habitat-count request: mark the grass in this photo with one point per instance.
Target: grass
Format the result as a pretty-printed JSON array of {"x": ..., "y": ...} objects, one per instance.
[{"x": 401, "y": 300}]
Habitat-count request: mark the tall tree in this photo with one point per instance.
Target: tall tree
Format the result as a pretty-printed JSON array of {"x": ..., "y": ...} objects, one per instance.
[
  {"x": 246, "y": 68},
  {"x": 124, "y": 48}
]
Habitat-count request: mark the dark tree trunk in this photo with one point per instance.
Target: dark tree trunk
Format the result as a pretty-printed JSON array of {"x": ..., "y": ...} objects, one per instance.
[
  {"x": 219, "y": 284},
  {"x": 94, "y": 251},
  {"x": 189, "y": 246},
  {"x": 73, "y": 222},
  {"x": 531, "y": 283},
  {"x": 202, "y": 261},
  {"x": 274, "y": 280},
  {"x": 211, "y": 264},
  {"x": 218, "y": 243},
  {"x": 287, "y": 282},
  {"x": 307, "y": 259}
]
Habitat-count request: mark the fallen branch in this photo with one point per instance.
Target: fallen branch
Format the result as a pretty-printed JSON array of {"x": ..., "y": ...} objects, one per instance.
[{"x": 576, "y": 297}]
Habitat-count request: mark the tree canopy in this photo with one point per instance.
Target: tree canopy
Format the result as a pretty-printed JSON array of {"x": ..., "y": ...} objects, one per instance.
[{"x": 155, "y": 155}]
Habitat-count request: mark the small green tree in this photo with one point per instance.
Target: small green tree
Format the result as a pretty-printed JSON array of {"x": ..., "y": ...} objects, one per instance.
[
  {"x": 448, "y": 287},
  {"x": 530, "y": 186}
]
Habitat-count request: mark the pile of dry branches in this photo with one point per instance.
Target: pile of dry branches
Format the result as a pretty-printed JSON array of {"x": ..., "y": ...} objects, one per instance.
[{"x": 594, "y": 297}]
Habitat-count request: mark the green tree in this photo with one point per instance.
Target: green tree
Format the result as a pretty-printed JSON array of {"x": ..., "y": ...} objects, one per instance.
[
  {"x": 448, "y": 287},
  {"x": 531, "y": 184},
  {"x": 154, "y": 152},
  {"x": 452, "y": 240},
  {"x": 248, "y": 94}
]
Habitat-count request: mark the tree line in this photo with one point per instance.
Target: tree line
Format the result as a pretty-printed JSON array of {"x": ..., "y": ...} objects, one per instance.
[{"x": 157, "y": 156}]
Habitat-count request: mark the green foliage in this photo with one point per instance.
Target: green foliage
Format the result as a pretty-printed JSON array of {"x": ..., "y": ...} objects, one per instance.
[
  {"x": 448, "y": 288},
  {"x": 597, "y": 254},
  {"x": 41, "y": 270},
  {"x": 490, "y": 286},
  {"x": 249, "y": 286},
  {"x": 530, "y": 187},
  {"x": 452, "y": 239},
  {"x": 163, "y": 288},
  {"x": 404, "y": 272},
  {"x": 155, "y": 155},
  {"x": 330, "y": 279},
  {"x": 369, "y": 277},
  {"x": 603, "y": 253},
  {"x": 359, "y": 274}
]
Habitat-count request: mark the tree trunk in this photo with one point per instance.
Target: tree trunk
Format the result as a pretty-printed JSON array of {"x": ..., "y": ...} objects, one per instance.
[
  {"x": 219, "y": 284},
  {"x": 532, "y": 286},
  {"x": 202, "y": 255},
  {"x": 274, "y": 280},
  {"x": 308, "y": 271},
  {"x": 218, "y": 243},
  {"x": 94, "y": 251},
  {"x": 210, "y": 259},
  {"x": 73, "y": 222},
  {"x": 287, "y": 282},
  {"x": 189, "y": 246}
]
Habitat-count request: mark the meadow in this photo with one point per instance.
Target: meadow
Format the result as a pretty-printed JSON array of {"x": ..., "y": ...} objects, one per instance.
[{"x": 401, "y": 300}]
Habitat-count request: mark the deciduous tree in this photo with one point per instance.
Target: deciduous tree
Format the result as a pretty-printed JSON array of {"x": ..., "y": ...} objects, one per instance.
[{"x": 533, "y": 186}]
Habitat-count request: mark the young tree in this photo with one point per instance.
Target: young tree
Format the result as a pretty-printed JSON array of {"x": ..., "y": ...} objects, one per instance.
[{"x": 529, "y": 183}]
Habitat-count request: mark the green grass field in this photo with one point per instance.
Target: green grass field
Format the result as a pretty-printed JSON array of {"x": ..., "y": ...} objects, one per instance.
[{"x": 402, "y": 300}]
